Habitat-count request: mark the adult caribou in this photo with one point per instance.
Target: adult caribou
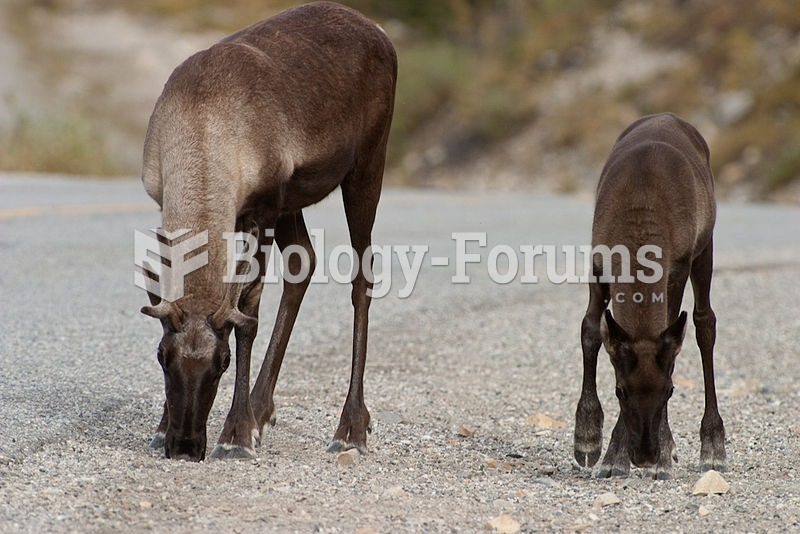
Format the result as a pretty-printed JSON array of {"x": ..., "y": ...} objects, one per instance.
[
  {"x": 655, "y": 189},
  {"x": 244, "y": 136}
]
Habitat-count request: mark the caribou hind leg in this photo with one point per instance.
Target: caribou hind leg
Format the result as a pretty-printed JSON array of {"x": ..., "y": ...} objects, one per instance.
[
  {"x": 588, "y": 440},
  {"x": 360, "y": 192},
  {"x": 712, "y": 429},
  {"x": 290, "y": 230}
]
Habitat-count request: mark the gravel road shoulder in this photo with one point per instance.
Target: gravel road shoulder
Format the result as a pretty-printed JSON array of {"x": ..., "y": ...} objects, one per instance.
[{"x": 81, "y": 393}]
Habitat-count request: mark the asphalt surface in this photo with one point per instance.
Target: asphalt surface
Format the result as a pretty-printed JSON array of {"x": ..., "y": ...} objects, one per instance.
[{"x": 80, "y": 388}]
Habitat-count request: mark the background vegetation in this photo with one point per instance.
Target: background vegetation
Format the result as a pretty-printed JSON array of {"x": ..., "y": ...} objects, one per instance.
[{"x": 491, "y": 93}]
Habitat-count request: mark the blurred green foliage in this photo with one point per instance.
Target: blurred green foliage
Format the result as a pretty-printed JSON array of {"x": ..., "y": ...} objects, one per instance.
[
  {"x": 473, "y": 73},
  {"x": 471, "y": 61},
  {"x": 63, "y": 142},
  {"x": 740, "y": 46}
]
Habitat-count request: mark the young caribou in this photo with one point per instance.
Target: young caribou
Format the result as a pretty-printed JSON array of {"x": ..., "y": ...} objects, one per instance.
[{"x": 655, "y": 189}]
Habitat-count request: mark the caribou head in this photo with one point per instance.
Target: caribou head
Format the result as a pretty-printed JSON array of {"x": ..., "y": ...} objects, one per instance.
[
  {"x": 643, "y": 370},
  {"x": 193, "y": 353}
]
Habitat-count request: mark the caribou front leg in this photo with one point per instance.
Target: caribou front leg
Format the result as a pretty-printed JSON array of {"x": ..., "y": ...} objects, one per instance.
[
  {"x": 240, "y": 435},
  {"x": 159, "y": 438},
  {"x": 668, "y": 451},
  {"x": 617, "y": 461},
  {"x": 588, "y": 439}
]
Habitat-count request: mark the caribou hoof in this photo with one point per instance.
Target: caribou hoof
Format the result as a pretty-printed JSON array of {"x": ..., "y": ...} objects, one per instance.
[
  {"x": 586, "y": 458},
  {"x": 662, "y": 474},
  {"x": 159, "y": 438},
  {"x": 261, "y": 430},
  {"x": 226, "y": 451},
  {"x": 338, "y": 445},
  {"x": 716, "y": 466},
  {"x": 609, "y": 471}
]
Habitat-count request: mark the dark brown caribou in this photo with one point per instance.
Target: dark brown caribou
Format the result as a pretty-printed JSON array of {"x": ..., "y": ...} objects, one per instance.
[
  {"x": 655, "y": 189},
  {"x": 244, "y": 136}
]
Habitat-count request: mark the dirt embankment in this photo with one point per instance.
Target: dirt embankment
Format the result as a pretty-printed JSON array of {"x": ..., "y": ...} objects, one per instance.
[{"x": 78, "y": 80}]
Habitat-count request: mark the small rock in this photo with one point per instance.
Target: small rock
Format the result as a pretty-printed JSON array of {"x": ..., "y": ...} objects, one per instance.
[
  {"x": 546, "y": 469},
  {"x": 466, "y": 431},
  {"x": 541, "y": 420},
  {"x": 711, "y": 483},
  {"x": 348, "y": 457},
  {"x": 578, "y": 527},
  {"x": 605, "y": 499},
  {"x": 504, "y": 524},
  {"x": 366, "y": 530},
  {"x": 145, "y": 504},
  {"x": 491, "y": 463},
  {"x": 394, "y": 491},
  {"x": 501, "y": 504},
  {"x": 544, "y": 481},
  {"x": 703, "y": 511}
]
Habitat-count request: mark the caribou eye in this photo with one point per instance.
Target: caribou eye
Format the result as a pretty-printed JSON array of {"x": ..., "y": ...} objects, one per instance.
[{"x": 621, "y": 393}]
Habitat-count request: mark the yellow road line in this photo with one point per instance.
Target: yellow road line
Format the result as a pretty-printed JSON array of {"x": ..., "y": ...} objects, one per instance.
[{"x": 75, "y": 209}]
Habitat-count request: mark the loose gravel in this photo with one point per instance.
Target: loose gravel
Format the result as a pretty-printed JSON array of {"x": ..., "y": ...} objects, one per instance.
[{"x": 81, "y": 394}]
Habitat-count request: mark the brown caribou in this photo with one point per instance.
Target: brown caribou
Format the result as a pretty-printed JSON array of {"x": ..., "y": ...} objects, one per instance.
[
  {"x": 245, "y": 135},
  {"x": 656, "y": 188}
]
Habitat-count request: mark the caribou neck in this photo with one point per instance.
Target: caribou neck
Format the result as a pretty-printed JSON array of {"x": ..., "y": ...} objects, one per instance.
[{"x": 202, "y": 205}]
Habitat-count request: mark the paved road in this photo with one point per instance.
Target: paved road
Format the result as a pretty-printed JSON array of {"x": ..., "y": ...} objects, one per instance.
[{"x": 80, "y": 387}]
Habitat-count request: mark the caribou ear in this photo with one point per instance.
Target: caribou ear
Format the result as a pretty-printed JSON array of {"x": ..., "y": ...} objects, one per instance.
[
  {"x": 154, "y": 300},
  {"x": 253, "y": 230},
  {"x": 169, "y": 313},
  {"x": 237, "y": 318},
  {"x": 227, "y": 315},
  {"x": 671, "y": 341},
  {"x": 672, "y": 337},
  {"x": 613, "y": 334},
  {"x": 151, "y": 279}
]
